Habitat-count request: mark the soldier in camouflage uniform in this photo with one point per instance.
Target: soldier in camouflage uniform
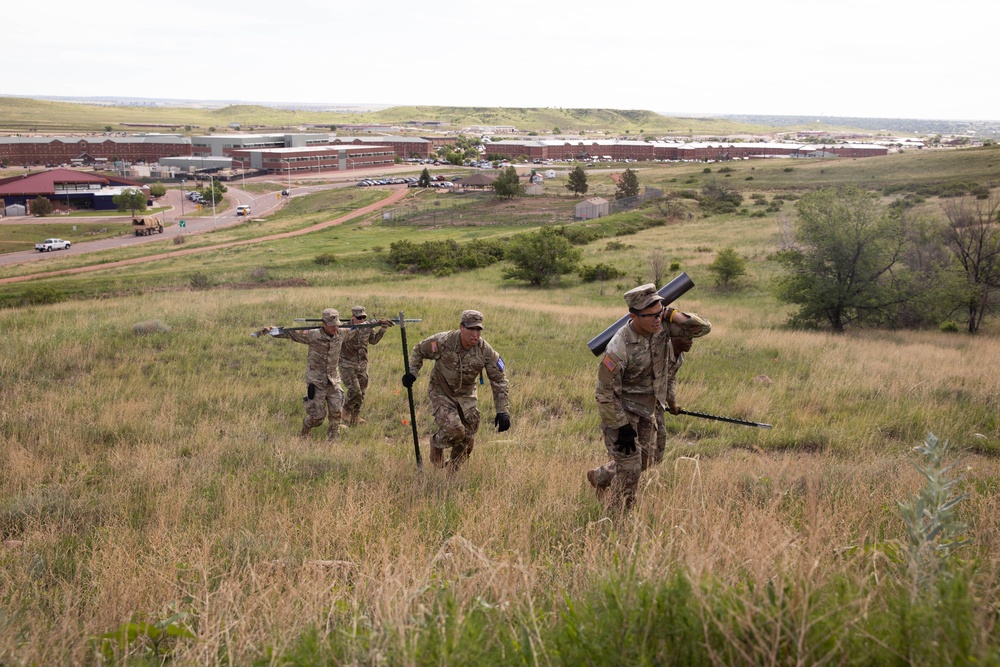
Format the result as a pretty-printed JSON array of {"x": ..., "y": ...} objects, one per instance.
[
  {"x": 324, "y": 397},
  {"x": 461, "y": 355},
  {"x": 354, "y": 362},
  {"x": 632, "y": 390}
]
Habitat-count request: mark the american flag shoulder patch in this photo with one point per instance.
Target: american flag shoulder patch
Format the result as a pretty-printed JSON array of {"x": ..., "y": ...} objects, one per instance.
[
  {"x": 500, "y": 363},
  {"x": 434, "y": 346},
  {"x": 609, "y": 363}
]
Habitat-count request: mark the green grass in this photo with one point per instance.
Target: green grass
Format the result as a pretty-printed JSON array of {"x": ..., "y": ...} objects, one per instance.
[
  {"x": 150, "y": 475},
  {"x": 17, "y": 237}
]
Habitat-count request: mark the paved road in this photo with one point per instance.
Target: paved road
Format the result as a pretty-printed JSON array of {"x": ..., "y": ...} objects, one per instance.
[
  {"x": 398, "y": 193},
  {"x": 260, "y": 204}
]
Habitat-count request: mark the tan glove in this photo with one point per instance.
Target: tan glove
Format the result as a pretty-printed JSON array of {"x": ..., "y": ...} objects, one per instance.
[
  {"x": 386, "y": 322},
  {"x": 265, "y": 331}
]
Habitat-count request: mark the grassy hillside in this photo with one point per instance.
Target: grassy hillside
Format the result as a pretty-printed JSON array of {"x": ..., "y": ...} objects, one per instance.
[
  {"x": 23, "y": 115},
  {"x": 153, "y": 473}
]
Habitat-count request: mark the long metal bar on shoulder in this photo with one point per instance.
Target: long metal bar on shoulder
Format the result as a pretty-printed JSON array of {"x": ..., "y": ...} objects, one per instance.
[
  {"x": 346, "y": 322},
  {"x": 343, "y": 325},
  {"x": 728, "y": 420}
]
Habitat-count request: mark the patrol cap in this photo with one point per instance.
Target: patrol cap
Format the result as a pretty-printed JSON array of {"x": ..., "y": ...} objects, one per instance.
[
  {"x": 472, "y": 319},
  {"x": 642, "y": 296},
  {"x": 331, "y": 316},
  {"x": 358, "y": 311}
]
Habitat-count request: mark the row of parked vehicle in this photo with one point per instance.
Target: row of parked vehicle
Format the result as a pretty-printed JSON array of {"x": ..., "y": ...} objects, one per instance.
[
  {"x": 410, "y": 181},
  {"x": 368, "y": 182}
]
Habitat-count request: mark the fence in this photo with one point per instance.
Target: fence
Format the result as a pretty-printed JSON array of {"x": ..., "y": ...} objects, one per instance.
[{"x": 629, "y": 203}]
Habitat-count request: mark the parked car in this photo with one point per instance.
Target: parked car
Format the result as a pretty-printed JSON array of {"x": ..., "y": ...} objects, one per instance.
[{"x": 48, "y": 245}]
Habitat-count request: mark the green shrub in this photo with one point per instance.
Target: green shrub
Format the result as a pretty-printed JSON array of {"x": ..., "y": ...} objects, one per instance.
[
  {"x": 325, "y": 259},
  {"x": 949, "y": 326},
  {"x": 199, "y": 281},
  {"x": 599, "y": 272}
]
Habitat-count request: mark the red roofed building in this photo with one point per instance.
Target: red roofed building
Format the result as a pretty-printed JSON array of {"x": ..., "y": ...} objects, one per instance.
[{"x": 75, "y": 189}]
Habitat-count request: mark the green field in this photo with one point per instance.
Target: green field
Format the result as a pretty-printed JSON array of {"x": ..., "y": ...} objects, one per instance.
[
  {"x": 27, "y": 115},
  {"x": 153, "y": 472}
]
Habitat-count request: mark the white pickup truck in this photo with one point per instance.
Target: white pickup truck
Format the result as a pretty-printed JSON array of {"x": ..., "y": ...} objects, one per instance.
[{"x": 49, "y": 245}]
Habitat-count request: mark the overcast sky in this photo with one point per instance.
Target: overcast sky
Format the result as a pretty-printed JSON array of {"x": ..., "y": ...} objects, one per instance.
[{"x": 871, "y": 58}]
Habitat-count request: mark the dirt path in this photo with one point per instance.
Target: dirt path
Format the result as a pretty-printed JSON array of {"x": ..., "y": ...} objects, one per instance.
[{"x": 397, "y": 194}]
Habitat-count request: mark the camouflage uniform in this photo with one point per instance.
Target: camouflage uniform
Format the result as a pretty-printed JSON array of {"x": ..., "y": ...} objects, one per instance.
[
  {"x": 354, "y": 364},
  {"x": 634, "y": 385},
  {"x": 324, "y": 397},
  {"x": 452, "y": 388}
]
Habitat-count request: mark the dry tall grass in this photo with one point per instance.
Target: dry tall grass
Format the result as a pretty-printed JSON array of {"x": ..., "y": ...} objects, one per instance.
[{"x": 144, "y": 475}]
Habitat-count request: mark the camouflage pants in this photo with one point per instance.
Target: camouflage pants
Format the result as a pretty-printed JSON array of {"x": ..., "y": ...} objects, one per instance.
[
  {"x": 355, "y": 383},
  {"x": 328, "y": 400},
  {"x": 621, "y": 474},
  {"x": 457, "y": 422}
]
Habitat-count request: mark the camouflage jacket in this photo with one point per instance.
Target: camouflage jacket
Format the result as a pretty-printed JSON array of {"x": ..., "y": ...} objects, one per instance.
[
  {"x": 354, "y": 353},
  {"x": 322, "y": 364},
  {"x": 456, "y": 370},
  {"x": 635, "y": 373}
]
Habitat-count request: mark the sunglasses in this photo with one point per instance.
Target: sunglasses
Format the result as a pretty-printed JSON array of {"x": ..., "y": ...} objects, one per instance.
[
  {"x": 361, "y": 317},
  {"x": 656, "y": 314}
]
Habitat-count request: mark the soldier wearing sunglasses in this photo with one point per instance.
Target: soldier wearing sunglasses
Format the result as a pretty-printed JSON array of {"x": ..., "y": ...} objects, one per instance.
[{"x": 632, "y": 391}]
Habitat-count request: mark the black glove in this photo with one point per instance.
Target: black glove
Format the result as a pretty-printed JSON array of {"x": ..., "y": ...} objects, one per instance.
[
  {"x": 409, "y": 379},
  {"x": 311, "y": 391},
  {"x": 626, "y": 439},
  {"x": 502, "y": 422}
]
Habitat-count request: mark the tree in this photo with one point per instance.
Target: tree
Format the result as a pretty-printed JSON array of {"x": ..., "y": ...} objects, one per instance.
[
  {"x": 657, "y": 266},
  {"x": 131, "y": 199},
  {"x": 41, "y": 206},
  {"x": 973, "y": 235},
  {"x": 578, "y": 181},
  {"x": 556, "y": 130},
  {"x": 541, "y": 257},
  {"x": 508, "y": 184},
  {"x": 107, "y": 128},
  {"x": 425, "y": 179},
  {"x": 628, "y": 186},
  {"x": 157, "y": 190},
  {"x": 841, "y": 265},
  {"x": 727, "y": 266}
]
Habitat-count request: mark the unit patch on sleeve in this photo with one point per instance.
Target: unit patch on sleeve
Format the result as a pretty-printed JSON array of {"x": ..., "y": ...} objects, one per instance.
[
  {"x": 500, "y": 363},
  {"x": 434, "y": 347}
]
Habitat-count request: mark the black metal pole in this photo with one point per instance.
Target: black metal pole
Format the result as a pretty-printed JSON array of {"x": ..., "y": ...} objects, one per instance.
[
  {"x": 409, "y": 392},
  {"x": 728, "y": 420}
]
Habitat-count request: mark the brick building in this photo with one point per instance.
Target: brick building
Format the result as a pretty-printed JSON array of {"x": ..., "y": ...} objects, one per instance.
[
  {"x": 66, "y": 188},
  {"x": 404, "y": 147},
  {"x": 305, "y": 159},
  {"x": 87, "y": 150},
  {"x": 610, "y": 149}
]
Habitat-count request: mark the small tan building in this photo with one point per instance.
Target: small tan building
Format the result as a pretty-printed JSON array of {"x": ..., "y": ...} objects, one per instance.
[{"x": 595, "y": 207}]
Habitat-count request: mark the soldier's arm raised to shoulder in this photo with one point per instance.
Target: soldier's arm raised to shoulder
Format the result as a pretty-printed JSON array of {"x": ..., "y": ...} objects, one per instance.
[
  {"x": 375, "y": 335},
  {"x": 686, "y": 325}
]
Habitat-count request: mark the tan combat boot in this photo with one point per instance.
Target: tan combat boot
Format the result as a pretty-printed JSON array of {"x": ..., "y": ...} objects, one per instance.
[{"x": 305, "y": 431}]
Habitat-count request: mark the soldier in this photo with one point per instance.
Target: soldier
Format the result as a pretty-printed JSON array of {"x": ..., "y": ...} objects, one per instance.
[
  {"x": 461, "y": 355},
  {"x": 324, "y": 397},
  {"x": 632, "y": 390},
  {"x": 354, "y": 362}
]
